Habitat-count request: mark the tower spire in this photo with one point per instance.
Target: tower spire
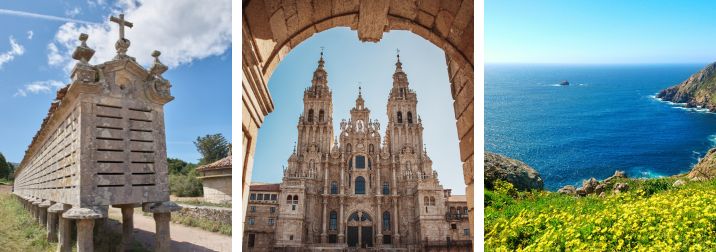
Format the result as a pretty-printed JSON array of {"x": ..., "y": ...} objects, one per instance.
[
  {"x": 398, "y": 64},
  {"x": 321, "y": 61},
  {"x": 320, "y": 77}
]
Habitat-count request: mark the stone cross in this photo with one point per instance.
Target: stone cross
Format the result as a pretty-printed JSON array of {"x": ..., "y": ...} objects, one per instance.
[{"x": 121, "y": 23}]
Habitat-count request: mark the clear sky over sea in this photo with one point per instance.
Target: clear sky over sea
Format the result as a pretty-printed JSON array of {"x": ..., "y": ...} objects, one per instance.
[
  {"x": 350, "y": 64},
  {"x": 600, "y": 32},
  {"x": 37, "y": 39}
]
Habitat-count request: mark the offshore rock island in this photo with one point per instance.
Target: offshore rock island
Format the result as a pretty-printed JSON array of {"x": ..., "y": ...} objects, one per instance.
[{"x": 697, "y": 91}]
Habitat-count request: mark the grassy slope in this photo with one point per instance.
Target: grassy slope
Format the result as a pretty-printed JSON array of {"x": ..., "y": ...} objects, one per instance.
[
  {"x": 652, "y": 215},
  {"x": 18, "y": 231}
]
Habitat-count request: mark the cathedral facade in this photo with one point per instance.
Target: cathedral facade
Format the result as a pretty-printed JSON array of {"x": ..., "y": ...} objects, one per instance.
[{"x": 358, "y": 188}]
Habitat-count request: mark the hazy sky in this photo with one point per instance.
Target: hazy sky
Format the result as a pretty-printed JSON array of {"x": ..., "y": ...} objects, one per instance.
[
  {"x": 606, "y": 31},
  {"x": 37, "y": 39},
  {"x": 350, "y": 63}
]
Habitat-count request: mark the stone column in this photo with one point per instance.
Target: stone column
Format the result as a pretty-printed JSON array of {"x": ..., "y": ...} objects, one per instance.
[
  {"x": 43, "y": 212},
  {"x": 341, "y": 235},
  {"x": 379, "y": 232},
  {"x": 396, "y": 234},
  {"x": 323, "y": 233},
  {"x": 85, "y": 225},
  {"x": 36, "y": 210},
  {"x": 64, "y": 232},
  {"x": 162, "y": 217},
  {"x": 53, "y": 221},
  {"x": 127, "y": 225}
]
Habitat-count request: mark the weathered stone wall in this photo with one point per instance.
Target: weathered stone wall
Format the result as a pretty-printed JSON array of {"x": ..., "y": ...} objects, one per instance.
[
  {"x": 53, "y": 173},
  {"x": 218, "y": 214},
  {"x": 217, "y": 190}
]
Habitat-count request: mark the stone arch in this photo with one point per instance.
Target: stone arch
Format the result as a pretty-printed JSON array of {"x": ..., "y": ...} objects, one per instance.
[{"x": 271, "y": 29}]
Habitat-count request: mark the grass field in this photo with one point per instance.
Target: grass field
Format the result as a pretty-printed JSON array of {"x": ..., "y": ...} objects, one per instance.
[
  {"x": 651, "y": 216},
  {"x": 18, "y": 231}
]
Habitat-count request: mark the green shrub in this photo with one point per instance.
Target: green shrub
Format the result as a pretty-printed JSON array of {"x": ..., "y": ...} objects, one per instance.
[
  {"x": 185, "y": 185},
  {"x": 652, "y": 186}
]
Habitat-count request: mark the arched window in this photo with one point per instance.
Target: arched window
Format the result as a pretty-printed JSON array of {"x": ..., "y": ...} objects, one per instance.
[
  {"x": 370, "y": 164},
  {"x": 464, "y": 210},
  {"x": 426, "y": 200},
  {"x": 333, "y": 223},
  {"x": 365, "y": 217},
  {"x": 349, "y": 148},
  {"x": 310, "y": 115},
  {"x": 295, "y": 199},
  {"x": 452, "y": 210},
  {"x": 386, "y": 188},
  {"x": 432, "y": 201},
  {"x": 321, "y": 116},
  {"x": 410, "y": 117},
  {"x": 334, "y": 187},
  {"x": 400, "y": 117},
  {"x": 370, "y": 148},
  {"x": 353, "y": 217},
  {"x": 312, "y": 165},
  {"x": 288, "y": 199},
  {"x": 360, "y": 162},
  {"x": 360, "y": 185},
  {"x": 386, "y": 220}
]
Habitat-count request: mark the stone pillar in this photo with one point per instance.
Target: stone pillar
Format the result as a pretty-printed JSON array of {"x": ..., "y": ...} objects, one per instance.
[
  {"x": 341, "y": 235},
  {"x": 64, "y": 232},
  {"x": 53, "y": 221},
  {"x": 36, "y": 210},
  {"x": 85, "y": 225},
  {"x": 43, "y": 212},
  {"x": 379, "y": 232},
  {"x": 127, "y": 224},
  {"x": 323, "y": 232},
  {"x": 396, "y": 234},
  {"x": 162, "y": 217}
]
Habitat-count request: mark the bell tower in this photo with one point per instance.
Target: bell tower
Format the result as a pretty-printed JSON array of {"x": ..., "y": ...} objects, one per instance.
[
  {"x": 404, "y": 131},
  {"x": 315, "y": 125}
]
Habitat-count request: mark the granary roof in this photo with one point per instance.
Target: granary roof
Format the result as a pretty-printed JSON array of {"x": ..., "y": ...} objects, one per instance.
[
  {"x": 224, "y": 163},
  {"x": 457, "y": 198},
  {"x": 265, "y": 187}
]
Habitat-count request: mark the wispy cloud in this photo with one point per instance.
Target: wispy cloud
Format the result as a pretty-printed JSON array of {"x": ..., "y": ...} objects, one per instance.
[
  {"x": 187, "y": 30},
  {"x": 30, "y": 34},
  {"x": 39, "y": 87},
  {"x": 42, "y": 16},
  {"x": 15, "y": 50},
  {"x": 72, "y": 12}
]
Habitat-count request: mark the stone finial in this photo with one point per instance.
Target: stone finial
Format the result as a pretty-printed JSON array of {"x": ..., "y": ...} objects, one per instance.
[
  {"x": 122, "y": 43},
  {"x": 83, "y": 53},
  {"x": 158, "y": 68}
]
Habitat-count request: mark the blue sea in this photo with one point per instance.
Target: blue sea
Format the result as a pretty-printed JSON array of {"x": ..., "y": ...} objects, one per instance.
[{"x": 607, "y": 119}]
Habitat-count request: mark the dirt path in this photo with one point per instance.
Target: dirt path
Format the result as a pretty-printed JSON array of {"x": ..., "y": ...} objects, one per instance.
[
  {"x": 183, "y": 238},
  {"x": 5, "y": 189}
]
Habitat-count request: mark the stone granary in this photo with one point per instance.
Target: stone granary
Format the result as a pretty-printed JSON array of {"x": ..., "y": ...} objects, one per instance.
[
  {"x": 216, "y": 180},
  {"x": 363, "y": 187},
  {"x": 102, "y": 144}
]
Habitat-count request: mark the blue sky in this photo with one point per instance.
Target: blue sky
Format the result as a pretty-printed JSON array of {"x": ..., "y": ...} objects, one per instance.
[
  {"x": 35, "y": 58},
  {"x": 601, "y": 32},
  {"x": 350, "y": 64}
]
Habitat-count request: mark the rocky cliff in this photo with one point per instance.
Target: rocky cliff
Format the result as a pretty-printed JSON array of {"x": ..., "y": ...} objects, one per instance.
[
  {"x": 706, "y": 168},
  {"x": 519, "y": 174},
  {"x": 699, "y": 90}
]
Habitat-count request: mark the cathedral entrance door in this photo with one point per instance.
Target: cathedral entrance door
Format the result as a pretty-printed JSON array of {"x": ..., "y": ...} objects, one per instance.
[
  {"x": 352, "y": 236},
  {"x": 366, "y": 237},
  {"x": 360, "y": 230}
]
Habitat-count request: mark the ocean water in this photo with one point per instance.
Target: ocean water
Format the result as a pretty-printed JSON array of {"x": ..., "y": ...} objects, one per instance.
[{"x": 606, "y": 120}]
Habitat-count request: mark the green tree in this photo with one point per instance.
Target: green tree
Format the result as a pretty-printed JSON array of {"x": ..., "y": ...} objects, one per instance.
[
  {"x": 212, "y": 148},
  {"x": 4, "y": 167}
]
